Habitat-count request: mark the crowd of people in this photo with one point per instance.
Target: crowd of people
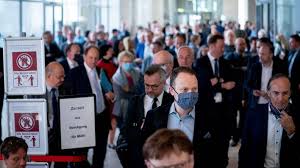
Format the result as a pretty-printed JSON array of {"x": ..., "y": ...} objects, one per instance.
[{"x": 194, "y": 80}]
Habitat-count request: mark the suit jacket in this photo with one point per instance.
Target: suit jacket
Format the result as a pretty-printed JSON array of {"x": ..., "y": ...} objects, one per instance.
[
  {"x": 66, "y": 66},
  {"x": 295, "y": 75},
  {"x": 204, "y": 139},
  {"x": 54, "y": 51},
  {"x": 254, "y": 141},
  {"x": 239, "y": 65},
  {"x": 130, "y": 133},
  {"x": 54, "y": 135},
  {"x": 254, "y": 79},
  {"x": 206, "y": 73},
  {"x": 77, "y": 83}
]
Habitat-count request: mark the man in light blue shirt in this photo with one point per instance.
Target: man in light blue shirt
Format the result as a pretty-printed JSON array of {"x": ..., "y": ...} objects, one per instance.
[{"x": 187, "y": 115}]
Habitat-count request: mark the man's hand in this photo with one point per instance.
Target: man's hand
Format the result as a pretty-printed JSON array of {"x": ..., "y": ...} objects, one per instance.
[
  {"x": 260, "y": 93},
  {"x": 214, "y": 81},
  {"x": 126, "y": 88},
  {"x": 110, "y": 96},
  {"x": 287, "y": 123},
  {"x": 228, "y": 85}
]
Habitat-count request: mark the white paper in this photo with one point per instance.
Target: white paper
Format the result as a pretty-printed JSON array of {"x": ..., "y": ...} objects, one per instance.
[
  {"x": 77, "y": 118},
  {"x": 218, "y": 97}
]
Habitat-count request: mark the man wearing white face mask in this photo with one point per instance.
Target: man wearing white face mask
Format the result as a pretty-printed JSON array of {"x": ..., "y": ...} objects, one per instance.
[{"x": 184, "y": 114}]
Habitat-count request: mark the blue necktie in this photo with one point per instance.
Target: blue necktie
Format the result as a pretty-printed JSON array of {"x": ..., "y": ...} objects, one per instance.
[
  {"x": 290, "y": 57},
  {"x": 216, "y": 68}
]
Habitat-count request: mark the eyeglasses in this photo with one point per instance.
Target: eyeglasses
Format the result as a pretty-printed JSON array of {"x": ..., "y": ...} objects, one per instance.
[{"x": 182, "y": 164}]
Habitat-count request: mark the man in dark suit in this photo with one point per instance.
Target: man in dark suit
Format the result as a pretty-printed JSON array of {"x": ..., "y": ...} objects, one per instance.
[
  {"x": 84, "y": 79},
  {"x": 216, "y": 84},
  {"x": 129, "y": 142},
  {"x": 238, "y": 60},
  {"x": 52, "y": 51},
  {"x": 185, "y": 115},
  {"x": 261, "y": 72},
  {"x": 271, "y": 136},
  {"x": 170, "y": 47},
  {"x": 294, "y": 67},
  {"x": 54, "y": 79},
  {"x": 72, "y": 53}
]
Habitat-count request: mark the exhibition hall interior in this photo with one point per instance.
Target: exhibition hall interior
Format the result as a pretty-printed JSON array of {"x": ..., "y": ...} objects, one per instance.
[{"x": 149, "y": 84}]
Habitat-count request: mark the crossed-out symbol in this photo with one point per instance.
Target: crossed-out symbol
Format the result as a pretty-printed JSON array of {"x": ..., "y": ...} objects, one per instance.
[
  {"x": 24, "y": 61},
  {"x": 26, "y": 122}
]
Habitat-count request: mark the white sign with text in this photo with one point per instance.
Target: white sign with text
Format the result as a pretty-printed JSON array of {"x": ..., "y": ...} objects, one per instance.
[{"x": 77, "y": 122}]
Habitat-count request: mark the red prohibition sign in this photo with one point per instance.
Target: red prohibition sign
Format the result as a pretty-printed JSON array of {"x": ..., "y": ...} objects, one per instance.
[{"x": 24, "y": 61}]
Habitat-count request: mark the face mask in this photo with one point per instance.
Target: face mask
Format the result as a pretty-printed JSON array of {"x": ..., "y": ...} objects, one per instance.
[
  {"x": 127, "y": 66},
  {"x": 164, "y": 67},
  {"x": 78, "y": 58},
  {"x": 187, "y": 100}
]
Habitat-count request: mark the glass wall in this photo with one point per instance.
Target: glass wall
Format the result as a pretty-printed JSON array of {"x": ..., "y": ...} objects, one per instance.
[
  {"x": 29, "y": 17},
  {"x": 32, "y": 18},
  {"x": 193, "y": 11},
  {"x": 9, "y": 18},
  {"x": 287, "y": 13}
]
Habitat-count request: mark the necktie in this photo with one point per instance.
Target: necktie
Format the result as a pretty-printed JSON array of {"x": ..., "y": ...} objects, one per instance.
[
  {"x": 54, "y": 108},
  {"x": 290, "y": 57},
  {"x": 95, "y": 84},
  {"x": 216, "y": 68},
  {"x": 154, "y": 105},
  {"x": 291, "y": 60}
]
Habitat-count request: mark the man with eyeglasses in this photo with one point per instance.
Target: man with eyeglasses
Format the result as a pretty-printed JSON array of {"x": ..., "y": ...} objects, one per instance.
[
  {"x": 55, "y": 75},
  {"x": 168, "y": 149},
  {"x": 185, "y": 114},
  {"x": 270, "y": 137},
  {"x": 166, "y": 61},
  {"x": 14, "y": 152},
  {"x": 129, "y": 145}
]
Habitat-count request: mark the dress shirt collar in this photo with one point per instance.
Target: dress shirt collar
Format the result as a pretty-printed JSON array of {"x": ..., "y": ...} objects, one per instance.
[
  {"x": 88, "y": 69},
  {"x": 49, "y": 87},
  {"x": 159, "y": 98},
  {"x": 270, "y": 66},
  {"x": 173, "y": 111},
  {"x": 211, "y": 58},
  {"x": 72, "y": 63}
]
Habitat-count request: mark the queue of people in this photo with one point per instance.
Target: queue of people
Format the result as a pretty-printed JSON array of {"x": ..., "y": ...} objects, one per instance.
[{"x": 175, "y": 96}]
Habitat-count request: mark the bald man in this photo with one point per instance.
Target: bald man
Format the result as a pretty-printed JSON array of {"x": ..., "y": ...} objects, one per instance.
[
  {"x": 54, "y": 79},
  {"x": 185, "y": 56},
  {"x": 166, "y": 61}
]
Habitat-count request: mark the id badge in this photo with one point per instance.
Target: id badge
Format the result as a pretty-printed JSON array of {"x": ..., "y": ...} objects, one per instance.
[{"x": 218, "y": 97}]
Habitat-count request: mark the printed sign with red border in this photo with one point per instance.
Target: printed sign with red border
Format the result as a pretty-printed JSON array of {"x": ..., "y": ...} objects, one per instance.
[
  {"x": 28, "y": 120},
  {"x": 24, "y": 66}
]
